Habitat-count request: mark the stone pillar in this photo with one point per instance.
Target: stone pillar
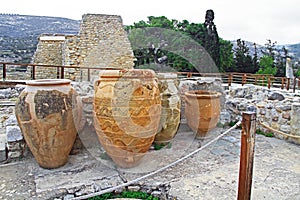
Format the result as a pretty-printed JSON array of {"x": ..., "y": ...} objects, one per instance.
[
  {"x": 48, "y": 52},
  {"x": 70, "y": 55},
  {"x": 3, "y": 153},
  {"x": 295, "y": 119},
  {"x": 104, "y": 43}
]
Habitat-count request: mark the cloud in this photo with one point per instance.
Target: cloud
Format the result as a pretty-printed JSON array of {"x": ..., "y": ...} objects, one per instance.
[{"x": 255, "y": 20}]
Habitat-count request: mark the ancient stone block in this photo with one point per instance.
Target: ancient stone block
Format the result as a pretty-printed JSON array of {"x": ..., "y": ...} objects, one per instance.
[
  {"x": 295, "y": 118},
  {"x": 102, "y": 43},
  {"x": 13, "y": 133}
]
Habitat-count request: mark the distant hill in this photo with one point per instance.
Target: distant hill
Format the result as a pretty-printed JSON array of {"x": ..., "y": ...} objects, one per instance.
[
  {"x": 19, "y": 34},
  {"x": 293, "y": 49},
  {"x": 250, "y": 45}
]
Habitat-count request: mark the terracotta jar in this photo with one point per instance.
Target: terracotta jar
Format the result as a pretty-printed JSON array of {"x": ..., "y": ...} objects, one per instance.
[
  {"x": 44, "y": 111},
  {"x": 170, "y": 102},
  {"x": 202, "y": 111},
  {"x": 126, "y": 113}
]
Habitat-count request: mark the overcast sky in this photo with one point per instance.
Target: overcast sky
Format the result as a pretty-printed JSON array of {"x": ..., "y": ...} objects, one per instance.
[{"x": 251, "y": 20}]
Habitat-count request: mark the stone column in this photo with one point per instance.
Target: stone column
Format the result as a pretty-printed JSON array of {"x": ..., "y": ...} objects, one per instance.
[
  {"x": 104, "y": 43},
  {"x": 295, "y": 125},
  {"x": 295, "y": 119}
]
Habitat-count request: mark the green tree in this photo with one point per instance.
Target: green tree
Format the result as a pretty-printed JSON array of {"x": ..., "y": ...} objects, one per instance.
[
  {"x": 270, "y": 49},
  {"x": 226, "y": 56},
  {"x": 204, "y": 34},
  {"x": 211, "y": 37},
  {"x": 243, "y": 59},
  {"x": 278, "y": 55},
  {"x": 280, "y": 61},
  {"x": 266, "y": 64},
  {"x": 255, "y": 59}
]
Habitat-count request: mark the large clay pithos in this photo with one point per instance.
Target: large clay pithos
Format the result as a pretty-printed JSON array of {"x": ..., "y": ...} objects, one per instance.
[
  {"x": 44, "y": 111},
  {"x": 170, "y": 102},
  {"x": 202, "y": 111},
  {"x": 126, "y": 113}
]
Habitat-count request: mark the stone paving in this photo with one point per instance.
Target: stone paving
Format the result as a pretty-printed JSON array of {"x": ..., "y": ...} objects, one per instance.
[{"x": 212, "y": 173}]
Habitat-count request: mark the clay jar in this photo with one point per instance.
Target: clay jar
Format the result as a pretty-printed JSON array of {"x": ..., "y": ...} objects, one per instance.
[
  {"x": 44, "y": 111},
  {"x": 202, "y": 111},
  {"x": 170, "y": 102},
  {"x": 126, "y": 113}
]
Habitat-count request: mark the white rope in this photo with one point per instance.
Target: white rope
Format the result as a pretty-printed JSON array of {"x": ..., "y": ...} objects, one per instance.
[
  {"x": 279, "y": 132},
  {"x": 158, "y": 170}
]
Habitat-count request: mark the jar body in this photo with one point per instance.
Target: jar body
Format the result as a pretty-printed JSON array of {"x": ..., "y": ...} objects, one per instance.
[
  {"x": 170, "y": 103},
  {"x": 44, "y": 112},
  {"x": 126, "y": 113},
  {"x": 202, "y": 111}
]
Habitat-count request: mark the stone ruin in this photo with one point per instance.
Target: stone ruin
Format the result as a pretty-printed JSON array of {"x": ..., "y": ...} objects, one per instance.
[{"x": 102, "y": 42}]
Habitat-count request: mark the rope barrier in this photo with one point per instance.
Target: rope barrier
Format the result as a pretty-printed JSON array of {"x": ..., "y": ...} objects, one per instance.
[
  {"x": 279, "y": 132},
  {"x": 158, "y": 170},
  {"x": 268, "y": 127}
]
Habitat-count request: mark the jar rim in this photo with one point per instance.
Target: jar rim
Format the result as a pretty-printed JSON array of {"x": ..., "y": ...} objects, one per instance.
[
  {"x": 127, "y": 73},
  {"x": 203, "y": 94},
  {"x": 48, "y": 82}
]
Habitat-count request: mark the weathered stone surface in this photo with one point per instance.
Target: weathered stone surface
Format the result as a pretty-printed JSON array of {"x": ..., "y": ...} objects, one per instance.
[
  {"x": 276, "y": 96},
  {"x": 47, "y": 122},
  {"x": 277, "y": 113},
  {"x": 3, "y": 152},
  {"x": 225, "y": 118},
  {"x": 170, "y": 104},
  {"x": 295, "y": 119},
  {"x": 102, "y": 43},
  {"x": 286, "y": 115},
  {"x": 127, "y": 114},
  {"x": 13, "y": 133}
]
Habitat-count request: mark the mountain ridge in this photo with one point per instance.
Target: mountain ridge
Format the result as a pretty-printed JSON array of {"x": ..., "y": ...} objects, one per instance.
[{"x": 19, "y": 35}]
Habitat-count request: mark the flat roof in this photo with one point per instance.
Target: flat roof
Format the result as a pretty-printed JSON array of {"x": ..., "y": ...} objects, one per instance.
[{"x": 53, "y": 37}]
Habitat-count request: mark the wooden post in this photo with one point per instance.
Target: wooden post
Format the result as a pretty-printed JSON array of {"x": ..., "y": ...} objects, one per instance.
[
  {"x": 62, "y": 72},
  {"x": 33, "y": 72},
  {"x": 269, "y": 82},
  {"x": 298, "y": 83},
  {"x": 282, "y": 82},
  {"x": 288, "y": 84},
  {"x": 247, "y": 155},
  {"x": 57, "y": 72},
  {"x": 229, "y": 79},
  {"x": 89, "y": 74},
  {"x": 4, "y": 72},
  {"x": 294, "y": 86},
  {"x": 244, "y": 79}
]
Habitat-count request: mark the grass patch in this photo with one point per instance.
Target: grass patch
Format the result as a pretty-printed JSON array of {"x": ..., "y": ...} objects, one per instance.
[
  {"x": 160, "y": 146},
  {"x": 267, "y": 134},
  {"x": 231, "y": 124},
  {"x": 125, "y": 194}
]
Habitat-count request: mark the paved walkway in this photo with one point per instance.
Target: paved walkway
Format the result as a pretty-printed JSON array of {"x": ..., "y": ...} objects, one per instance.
[{"x": 212, "y": 173}]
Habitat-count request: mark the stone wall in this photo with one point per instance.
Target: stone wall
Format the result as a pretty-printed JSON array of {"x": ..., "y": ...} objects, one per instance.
[
  {"x": 48, "y": 52},
  {"x": 102, "y": 43},
  {"x": 275, "y": 108}
]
